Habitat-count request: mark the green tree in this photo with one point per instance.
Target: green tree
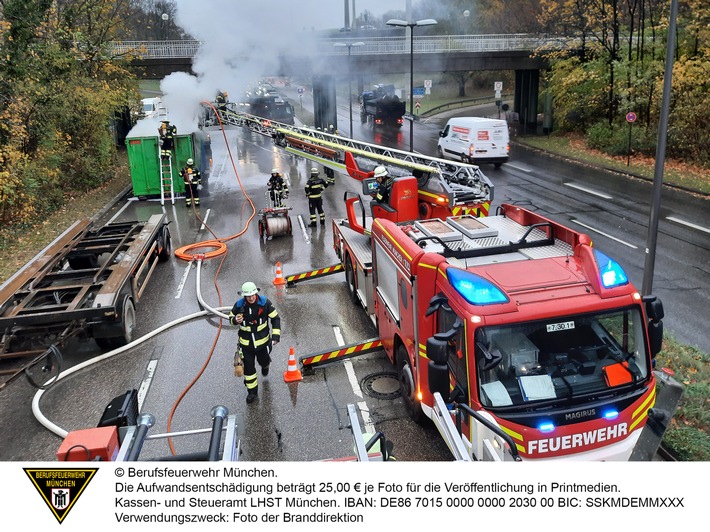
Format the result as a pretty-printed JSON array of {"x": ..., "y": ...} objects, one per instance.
[{"x": 60, "y": 88}]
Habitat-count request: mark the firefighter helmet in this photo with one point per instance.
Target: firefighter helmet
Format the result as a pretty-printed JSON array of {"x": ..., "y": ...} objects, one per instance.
[
  {"x": 274, "y": 171},
  {"x": 314, "y": 171},
  {"x": 380, "y": 171},
  {"x": 190, "y": 162},
  {"x": 249, "y": 289}
]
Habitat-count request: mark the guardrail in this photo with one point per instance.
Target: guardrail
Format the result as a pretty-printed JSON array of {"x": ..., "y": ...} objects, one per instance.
[
  {"x": 372, "y": 46},
  {"x": 461, "y": 103}
]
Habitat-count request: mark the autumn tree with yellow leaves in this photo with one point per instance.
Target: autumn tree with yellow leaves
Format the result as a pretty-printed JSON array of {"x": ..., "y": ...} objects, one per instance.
[
  {"x": 60, "y": 87},
  {"x": 616, "y": 66}
]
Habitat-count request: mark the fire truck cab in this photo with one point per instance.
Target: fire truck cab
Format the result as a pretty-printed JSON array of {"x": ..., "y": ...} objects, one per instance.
[{"x": 514, "y": 317}]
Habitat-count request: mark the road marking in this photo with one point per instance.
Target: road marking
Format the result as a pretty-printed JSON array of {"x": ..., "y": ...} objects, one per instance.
[
  {"x": 688, "y": 224},
  {"x": 183, "y": 280},
  {"x": 510, "y": 165},
  {"x": 143, "y": 390},
  {"x": 350, "y": 370},
  {"x": 303, "y": 230},
  {"x": 204, "y": 220},
  {"x": 588, "y": 191},
  {"x": 604, "y": 234}
]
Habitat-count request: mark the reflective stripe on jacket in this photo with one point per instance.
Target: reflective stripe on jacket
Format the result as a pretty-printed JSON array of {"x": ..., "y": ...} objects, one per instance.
[{"x": 254, "y": 329}]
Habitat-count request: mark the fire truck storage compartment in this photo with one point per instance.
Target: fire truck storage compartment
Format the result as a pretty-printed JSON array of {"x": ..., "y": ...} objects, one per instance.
[{"x": 360, "y": 247}]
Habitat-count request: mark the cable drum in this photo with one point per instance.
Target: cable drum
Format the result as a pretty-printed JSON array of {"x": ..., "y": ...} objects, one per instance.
[{"x": 277, "y": 226}]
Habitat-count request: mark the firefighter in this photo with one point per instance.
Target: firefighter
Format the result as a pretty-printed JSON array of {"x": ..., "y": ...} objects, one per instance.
[
  {"x": 221, "y": 101},
  {"x": 330, "y": 175},
  {"x": 314, "y": 188},
  {"x": 277, "y": 187},
  {"x": 166, "y": 133},
  {"x": 253, "y": 313},
  {"x": 384, "y": 185},
  {"x": 192, "y": 178}
]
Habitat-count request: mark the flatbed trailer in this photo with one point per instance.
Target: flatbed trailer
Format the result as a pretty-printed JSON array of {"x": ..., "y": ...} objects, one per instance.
[{"x": 84, "y": 284}]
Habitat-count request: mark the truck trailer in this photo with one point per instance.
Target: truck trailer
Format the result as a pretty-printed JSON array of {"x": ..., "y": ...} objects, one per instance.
[
  {"x": 381, "y": 107},
  {"x": 513, "y": 318}
]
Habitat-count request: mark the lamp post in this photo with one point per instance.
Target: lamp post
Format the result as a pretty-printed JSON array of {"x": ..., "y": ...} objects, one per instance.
[
  {"x": 350, "y": 92},
  {"x": 165, "y": 17},
  {"x": 411, "y": 26}
]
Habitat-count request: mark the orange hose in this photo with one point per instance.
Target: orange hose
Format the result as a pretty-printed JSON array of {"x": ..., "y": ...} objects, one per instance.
[
  {"x": 184, "y": 252},
  {"x": 220, "y": 248}
]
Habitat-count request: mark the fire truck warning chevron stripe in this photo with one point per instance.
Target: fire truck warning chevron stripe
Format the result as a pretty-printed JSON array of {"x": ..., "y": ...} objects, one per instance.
[
  {"x": 348, "y": 351},
  {"x": 312, "y": 274}
]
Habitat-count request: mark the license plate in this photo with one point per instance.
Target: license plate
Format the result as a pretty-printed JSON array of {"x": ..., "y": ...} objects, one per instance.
[{"x": 563, "y": 326}]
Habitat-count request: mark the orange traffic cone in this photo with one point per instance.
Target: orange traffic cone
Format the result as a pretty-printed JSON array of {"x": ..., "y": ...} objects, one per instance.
[
  {"x": 292, "y": 374},
  {"x": 279, "y": 279}
]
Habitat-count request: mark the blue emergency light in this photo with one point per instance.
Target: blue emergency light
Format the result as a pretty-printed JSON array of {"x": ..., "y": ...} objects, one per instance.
[
  {"x": 546, "y": 426},
  {"x": 475, "y": 289},
  {"x": 612, "y": 274},
  {"x": 610, "y": 414}
]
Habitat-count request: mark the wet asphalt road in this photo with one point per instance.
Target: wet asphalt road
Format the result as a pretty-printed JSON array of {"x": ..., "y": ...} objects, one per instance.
[{"x": 308, "y": 420}]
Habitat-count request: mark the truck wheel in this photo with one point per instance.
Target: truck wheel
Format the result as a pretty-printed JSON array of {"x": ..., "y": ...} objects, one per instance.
[
  {"x": 407, "y": 387},
  {"x": 166, "y": 246},
  {"x": 350, "y": 278},
  {"x": 128, "y": 323},
  {"x": 498, "y": 165},
  {"x": 440, "y": 152}
]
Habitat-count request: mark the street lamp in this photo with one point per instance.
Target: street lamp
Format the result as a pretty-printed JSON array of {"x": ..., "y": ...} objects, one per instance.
[
  {"x": 165, "y": 17},
  {"x": 411, "y": 26},
  {"x": 350, "y": 92}
]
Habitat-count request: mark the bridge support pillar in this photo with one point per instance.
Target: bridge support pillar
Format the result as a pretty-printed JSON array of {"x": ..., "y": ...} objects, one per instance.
[{"x": 527, "y": 83}]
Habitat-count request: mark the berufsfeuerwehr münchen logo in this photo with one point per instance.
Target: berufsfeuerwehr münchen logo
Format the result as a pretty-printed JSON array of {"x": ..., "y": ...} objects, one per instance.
[{"x": 60, "y": 488}]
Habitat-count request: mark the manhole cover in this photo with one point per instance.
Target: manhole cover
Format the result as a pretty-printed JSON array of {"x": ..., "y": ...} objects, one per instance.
[{"x": 382, "y": 385}]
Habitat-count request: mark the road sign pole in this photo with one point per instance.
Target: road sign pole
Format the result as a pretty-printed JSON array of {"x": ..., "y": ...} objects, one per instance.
[{"x": 628, "y": 154}]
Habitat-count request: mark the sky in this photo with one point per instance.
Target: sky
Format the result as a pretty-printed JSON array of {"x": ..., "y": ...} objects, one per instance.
[{"x": 240, "y": 42}]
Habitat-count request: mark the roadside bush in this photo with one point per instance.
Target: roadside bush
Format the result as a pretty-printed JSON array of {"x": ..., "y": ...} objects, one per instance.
[{"x": 614, "y": 140}]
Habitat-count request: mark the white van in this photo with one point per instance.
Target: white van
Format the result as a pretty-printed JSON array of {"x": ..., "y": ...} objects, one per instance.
[
  {"x": 150, "y": 107},
  {"x": 475, "y": 140}
]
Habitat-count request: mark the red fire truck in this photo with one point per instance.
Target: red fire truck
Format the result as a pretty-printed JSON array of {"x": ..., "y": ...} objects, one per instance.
[{"x": 513, "y": 319}]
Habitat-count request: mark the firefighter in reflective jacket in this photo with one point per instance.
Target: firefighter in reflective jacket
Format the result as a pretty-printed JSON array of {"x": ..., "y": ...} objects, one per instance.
[
  {"x": 314, "y": 188},
  {"x": 221, "y": 101},
  {"x": 277, "y": 187},
  {"x": 253, "y": 313},
  {"x": 192, "y": 178},
  {"x": 166, "y": 132}
]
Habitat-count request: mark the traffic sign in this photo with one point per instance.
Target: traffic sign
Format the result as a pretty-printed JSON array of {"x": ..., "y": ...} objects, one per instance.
[
  {"x": 417, "y": 105},
  {"x": 630, "y": 117},
  {"x": 427, "y": 84},
  {"x": 498, "y": 86},
  {"x": 418, "y": 91},
  {"x": 301, "y": 90}
]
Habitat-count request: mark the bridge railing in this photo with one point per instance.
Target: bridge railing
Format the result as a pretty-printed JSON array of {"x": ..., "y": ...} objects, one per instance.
[{"x": 372, "y": 46}]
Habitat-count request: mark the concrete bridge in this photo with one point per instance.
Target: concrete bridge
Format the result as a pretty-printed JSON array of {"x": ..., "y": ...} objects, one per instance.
[{"x": 383, "y": 55}]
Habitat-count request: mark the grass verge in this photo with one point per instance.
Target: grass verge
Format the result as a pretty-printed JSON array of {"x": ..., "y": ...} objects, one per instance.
[{"x": 574, "y": 147}]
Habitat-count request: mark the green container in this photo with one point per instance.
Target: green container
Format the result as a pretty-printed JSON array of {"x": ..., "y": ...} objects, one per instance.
[{"x": 144, "y": 163}]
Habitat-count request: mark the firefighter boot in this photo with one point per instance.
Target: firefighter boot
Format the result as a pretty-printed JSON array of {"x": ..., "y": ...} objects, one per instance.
[
  {"x": 265, "y": 370},
  {"x": 252, "y": 395}
]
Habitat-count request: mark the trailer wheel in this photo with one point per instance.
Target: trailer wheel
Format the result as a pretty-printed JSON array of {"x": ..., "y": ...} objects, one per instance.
[
  {"x": 166, "y": 246},
  {"x": 407, "y": 387},
  {"x": 290, "y": 226},
  {"x": 350, "y": 278},
  {"x": 128, "y": 323},
  {"x": 261, "y": 228}
]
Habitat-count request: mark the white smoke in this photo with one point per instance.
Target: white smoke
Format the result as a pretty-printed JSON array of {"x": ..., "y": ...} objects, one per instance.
[{"x": 242, "y": 42}]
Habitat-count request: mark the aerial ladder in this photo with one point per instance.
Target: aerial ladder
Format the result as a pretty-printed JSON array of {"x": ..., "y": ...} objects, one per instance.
[{"x": 446, "y": 188}]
